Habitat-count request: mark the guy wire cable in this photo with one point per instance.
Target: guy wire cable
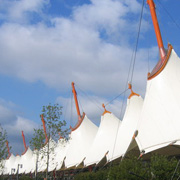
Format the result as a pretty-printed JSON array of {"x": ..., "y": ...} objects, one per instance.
[
  {"x": 90, "y": 98},
  {"x": 128, "y": 76},
  {"x": 178, "y": 26}
]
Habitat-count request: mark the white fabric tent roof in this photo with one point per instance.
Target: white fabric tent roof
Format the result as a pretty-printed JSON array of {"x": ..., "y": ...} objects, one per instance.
[
  {"x": 80, "y": 141},
  {"x": 16, "y": 162},
  {"x": 9, "y": 163},
  {"x": 34, "y": 159},
  {"x": 27, "y": 161},
  {"x": 60, "y": 152},
  {"x": 160, "y": 119},
  {"x": 104, "y": 140},
  {"x": 52, "y": 161},
  {"x": 42, "y": 160},
  {"x": 128, "y": 126}
]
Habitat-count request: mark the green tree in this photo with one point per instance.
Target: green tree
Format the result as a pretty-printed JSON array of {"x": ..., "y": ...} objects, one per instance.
[
  {"x": 37, "y": 143},
  {"x": 3, "y": 148},
  {"x": 54, "y": 125}
]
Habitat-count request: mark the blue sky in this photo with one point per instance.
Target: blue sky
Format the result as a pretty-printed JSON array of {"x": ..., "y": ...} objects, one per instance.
[{"x": 45, "y": 45}]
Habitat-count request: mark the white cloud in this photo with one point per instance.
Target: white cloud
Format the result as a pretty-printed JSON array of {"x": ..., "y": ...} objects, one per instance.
[
  {"x": 14, "y": 124},
  {"x": 21, "y": 124},
  {"x": 6, "y": 115},
  {"x": 61, "y": 54},
  {"x": 72, "y": 49},
  {"x": 7, "y": 112},
  {"x": 20, "y": 11},
  {"x": 14, "y": 131},
  {"x": 111, "y": 18}
]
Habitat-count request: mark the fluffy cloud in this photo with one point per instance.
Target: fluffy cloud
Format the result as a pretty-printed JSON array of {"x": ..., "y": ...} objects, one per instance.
[
  {"x": 21, "y": 11},
  {"x": 6, "y": 116},
  {"x": 14, "y": 133},
  {"x": 14, "y": 124},
  {"x": 19, "y": 125},
  {"x": 109, "y": 18},
  {"x": 73, "y": 49}
]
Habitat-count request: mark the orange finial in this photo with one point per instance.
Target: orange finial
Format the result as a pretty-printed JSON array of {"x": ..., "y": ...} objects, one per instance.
[
  {"x": 60, "y": 137},
  {"x": 156, "y": 28},
  {"x": 44, "y": 126},
  {"x": 103, "y": 106},
  {"x": 129, "y": 86},
  {"x": 7, "y": 145},
  {"x": 132, "y": 92},
  {"x": 105, "y": 111},
  {"x": 25, "y": 147},
  {"x": 76, "y": 101}
]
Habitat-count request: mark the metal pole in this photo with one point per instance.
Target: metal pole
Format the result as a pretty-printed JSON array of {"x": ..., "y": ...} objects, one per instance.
[
  {"x": 156, "y": 28},
  {"x": 76, "y": 101},
  {"x": 18, "y": 172}
]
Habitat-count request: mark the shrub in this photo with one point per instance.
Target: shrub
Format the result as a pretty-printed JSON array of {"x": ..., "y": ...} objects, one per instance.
[
  {"x": 158, "y": 167},
  {"x": 163, "y": 167}
]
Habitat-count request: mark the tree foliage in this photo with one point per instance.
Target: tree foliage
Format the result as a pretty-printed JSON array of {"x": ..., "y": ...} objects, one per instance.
[
  {"x": 38, "y": 139},
  {"x": 3, "y": 148},
  {"x": 164, "y": 168},
  {"x": 54, "y": 126}
]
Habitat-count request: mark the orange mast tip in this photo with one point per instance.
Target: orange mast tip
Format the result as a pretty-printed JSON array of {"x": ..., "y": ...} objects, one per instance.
[
  {"x": 9, "y": 154},
  {"x": 129, "y": 86},
  {"x": 103, "y": 105},
  {"x": 80, "y": 118},
  {"x": 132, "y": 92},
  {"x": 24, "y": 142},
  {"x": 76, "y": 101},
  {"x": 156, "y": 28},
  {"x": 44, "y": 126},
  {"x": 105, "y": 111}
]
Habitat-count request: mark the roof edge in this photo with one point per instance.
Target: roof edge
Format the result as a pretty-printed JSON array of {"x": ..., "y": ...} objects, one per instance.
[
  {"x": 78, "y": 123},
  {"x": 160, "y": 65}
]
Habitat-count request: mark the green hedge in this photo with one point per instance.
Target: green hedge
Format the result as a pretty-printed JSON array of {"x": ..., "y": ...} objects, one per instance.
[
  {"x": 25, "y": 177},
  {"x": 158, "y": 167}
]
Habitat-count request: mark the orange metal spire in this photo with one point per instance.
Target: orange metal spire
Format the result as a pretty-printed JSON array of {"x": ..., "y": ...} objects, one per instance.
[
  {"x": 76, "y": 101},
  {"x": 132, "y": 92},
  {"x": 44, "y": 126},
  {"x": 105, "y": 111},
  {"x": 156, "y": 28},
  {"x": 25, "y": 147},
  {"x": 9, "y": 154}
]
